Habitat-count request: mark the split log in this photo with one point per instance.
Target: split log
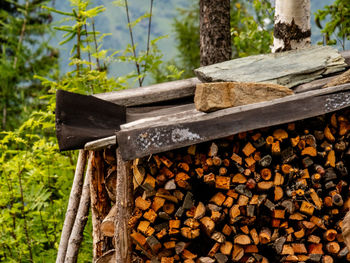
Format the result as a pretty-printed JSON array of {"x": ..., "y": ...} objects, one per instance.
[
  {"x": 282, "y": 199},
  {"x": 73, "y": 205},
  {"x": 107, "y": 225}
]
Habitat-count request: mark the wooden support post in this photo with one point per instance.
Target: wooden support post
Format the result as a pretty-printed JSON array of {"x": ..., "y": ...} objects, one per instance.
[
  {"x": 76, "y": 236},
  {"x": 124, "y": 202},
  {"x": 73, "y": 205},
  {"x": 100, "y": 205}
]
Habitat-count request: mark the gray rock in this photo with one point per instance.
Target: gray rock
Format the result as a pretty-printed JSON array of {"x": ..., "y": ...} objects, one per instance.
[
  {"x": 220, "y": 95},
  {"x": 289, "y": 68}
]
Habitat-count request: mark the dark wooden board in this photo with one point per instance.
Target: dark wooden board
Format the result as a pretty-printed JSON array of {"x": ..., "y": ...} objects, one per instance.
[
  {"x": 78, "y": 122},
  {"x": 154, "y": 136}
]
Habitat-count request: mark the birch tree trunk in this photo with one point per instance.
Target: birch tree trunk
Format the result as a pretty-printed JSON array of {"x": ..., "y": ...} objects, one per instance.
[
  {"x": 292, "y": 28},
  {"x": 215, "y": 36}
]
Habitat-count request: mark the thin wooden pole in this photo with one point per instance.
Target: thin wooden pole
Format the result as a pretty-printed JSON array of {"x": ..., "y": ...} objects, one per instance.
[
  {"x": 76, "y": 236},
  {"x": 73, "y": 205},
  {"x": 124, "y": 201}
]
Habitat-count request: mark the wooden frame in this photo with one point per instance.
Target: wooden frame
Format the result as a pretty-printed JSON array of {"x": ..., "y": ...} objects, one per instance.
[{"x": 154, "y": 135}]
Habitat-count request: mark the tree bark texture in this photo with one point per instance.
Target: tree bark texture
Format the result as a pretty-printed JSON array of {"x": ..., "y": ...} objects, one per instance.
[
  {"x": 124, "y": 202},
  {"x": 76, "y": 236},
  {"x": 100, "y": 205},
  {"x": 215, "y": 36},
  {"x": 292, "y": 29},
  {"x": 73, "y": 205}
]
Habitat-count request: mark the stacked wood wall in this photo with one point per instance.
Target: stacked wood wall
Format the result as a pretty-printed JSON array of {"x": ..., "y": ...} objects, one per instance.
[{"x": 276, "y": 194}]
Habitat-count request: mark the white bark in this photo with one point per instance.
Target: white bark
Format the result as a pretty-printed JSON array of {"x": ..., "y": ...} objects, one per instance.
[
  {"x": 73, "y": 205},
  {"x": 292, "y": 25}
]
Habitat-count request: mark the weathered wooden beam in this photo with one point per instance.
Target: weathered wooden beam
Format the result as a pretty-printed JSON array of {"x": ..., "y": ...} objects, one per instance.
[
  {"x": 101, "y": 143},
  {"x": 160, "y": 135},
  {"x": 100, "y": 205},
  {"x": 124, "y": 201},
  {"x": 152, "y": 94},
  {"x": 313, "y": 85},
  {"x": 187, "y": 88}
]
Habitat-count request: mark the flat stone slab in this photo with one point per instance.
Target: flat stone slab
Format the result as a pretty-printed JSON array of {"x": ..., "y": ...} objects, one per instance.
[
  {"x": 289, "y": 68},
  {"x": 221, "y": 95}
]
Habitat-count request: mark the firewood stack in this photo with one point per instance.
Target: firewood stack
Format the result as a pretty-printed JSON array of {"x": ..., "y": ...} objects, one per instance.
[
  {"x": 270, "y": 195},
  {"x": 276, "y": 194}
]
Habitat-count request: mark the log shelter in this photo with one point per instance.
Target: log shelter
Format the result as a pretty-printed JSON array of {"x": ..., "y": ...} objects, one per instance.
[{"x": 163, "y": 124}]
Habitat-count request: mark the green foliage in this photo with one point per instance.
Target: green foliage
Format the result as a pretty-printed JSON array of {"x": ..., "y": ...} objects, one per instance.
[
  {"x": 35, "y": 177},
  {"x": 251, "y": 30},
  {"x": 251, "y": 27},
  {"x": 24, "y": 52},
  {"x": 337, "y": 29}
]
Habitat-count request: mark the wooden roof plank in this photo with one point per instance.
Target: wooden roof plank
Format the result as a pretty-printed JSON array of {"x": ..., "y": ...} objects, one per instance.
[
  {"x": 163, "y": 91},
  {"x": 152, "y": 94},
  {"x": 101, "y": 143},
  {"x": 158, "y": 136}
]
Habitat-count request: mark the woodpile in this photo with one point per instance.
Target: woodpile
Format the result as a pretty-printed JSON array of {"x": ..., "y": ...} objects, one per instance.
[{"x": 276, "y": 194}]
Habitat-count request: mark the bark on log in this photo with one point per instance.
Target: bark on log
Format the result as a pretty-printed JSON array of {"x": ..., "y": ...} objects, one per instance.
[
  {"x": 76, "y": 236},
  {"x": 215, "y": 36},
  {"x": 100, "y": 206},
  {"x": 124, "y": 202},
  {"x": 73, "y": 205}
]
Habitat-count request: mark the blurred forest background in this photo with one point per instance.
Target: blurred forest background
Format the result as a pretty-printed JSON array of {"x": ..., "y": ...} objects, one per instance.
[{"x": 85, "y": 47}]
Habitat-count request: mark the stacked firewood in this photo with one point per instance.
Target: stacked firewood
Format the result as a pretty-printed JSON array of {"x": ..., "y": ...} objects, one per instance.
[{"x": 276, "y": 194}]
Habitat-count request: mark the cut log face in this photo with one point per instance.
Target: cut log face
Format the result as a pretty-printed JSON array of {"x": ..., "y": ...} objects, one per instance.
[{"x": 270, "y": 195}]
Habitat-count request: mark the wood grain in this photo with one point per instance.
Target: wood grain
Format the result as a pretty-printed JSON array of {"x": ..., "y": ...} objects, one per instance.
[
  {"x": 160, "y": 135},
  {"x": 151, "y": 94}
]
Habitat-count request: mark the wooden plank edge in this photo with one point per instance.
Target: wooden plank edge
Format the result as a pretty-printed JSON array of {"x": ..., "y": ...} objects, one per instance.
[
  {"x": 100, "y": 143},
  {"x": 143, "y": 141},
  {"x": 151, "y": 94}
]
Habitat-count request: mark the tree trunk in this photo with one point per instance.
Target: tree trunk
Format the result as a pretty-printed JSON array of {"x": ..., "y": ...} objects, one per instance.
[
  {"x": 215, "y": 36},
  {"x": 76, "y": 236},
  {"x": 100, "y": 206},
  {"x": 292, "y": 25},
  {"x": 125, "y": 204},
  {"x": 73, "y": 206}
]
